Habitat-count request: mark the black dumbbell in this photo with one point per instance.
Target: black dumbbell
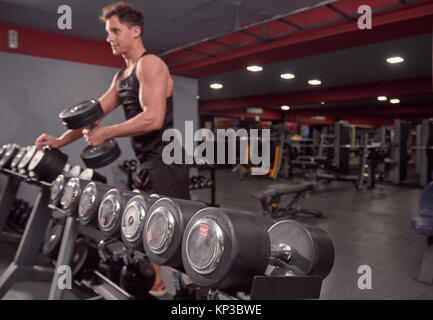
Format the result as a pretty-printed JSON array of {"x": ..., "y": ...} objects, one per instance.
[
  {"x": 84, "y": 115},
  {"x": 47, "y": 164}
]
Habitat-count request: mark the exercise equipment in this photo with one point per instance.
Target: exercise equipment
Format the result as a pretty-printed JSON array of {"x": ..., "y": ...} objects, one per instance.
[
  {"x": 57, "y": 189},
  {"x": 270, "y": 198},
  {"x": 75, "y": 171},
  {"x": 84, "y": 115},
  {"x": 22, "y": 166},
  {"x": 16, "y": 160},
  {"x": 90, "y": 200},
  {"x": 47, "y": 164},
  {"x": 71, "y": 195},
  {"x": 164, "y": 228},
  {"x": 133, "y": 219},
  {"x": 9, "y": 154},
  {"x": 137, "y": 277},
  {"x": 91, "y": 175},
  {"x": 300, "y": 249},
  {"x": 110, "y": 211},
  {"x": 225, "y": 249}
]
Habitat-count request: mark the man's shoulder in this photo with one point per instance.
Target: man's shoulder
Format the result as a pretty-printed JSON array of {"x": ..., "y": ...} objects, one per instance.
[{"x": 150, "y": 59}]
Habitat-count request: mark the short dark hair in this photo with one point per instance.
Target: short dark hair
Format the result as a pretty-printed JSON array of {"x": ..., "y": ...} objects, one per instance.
[{"x": 126, "y": 12}]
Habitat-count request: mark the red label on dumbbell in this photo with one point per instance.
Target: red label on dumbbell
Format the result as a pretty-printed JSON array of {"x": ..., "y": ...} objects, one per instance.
[
  {"x": 204, "y": 229},
  {"x": 149, "y": 236}
]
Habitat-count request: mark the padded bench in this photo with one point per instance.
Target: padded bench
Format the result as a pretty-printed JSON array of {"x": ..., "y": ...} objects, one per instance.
[{"x": 270, "y": 198}]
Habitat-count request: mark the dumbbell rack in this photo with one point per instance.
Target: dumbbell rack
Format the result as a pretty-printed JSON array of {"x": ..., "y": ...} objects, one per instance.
[
  {"x": 23, "y": 267},
  {"x": 212, "y": 178},
  {"x": 7, "y": 198},
  {"x": 277, "y": 288}
]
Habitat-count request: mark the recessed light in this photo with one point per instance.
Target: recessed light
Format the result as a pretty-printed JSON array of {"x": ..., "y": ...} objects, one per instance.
[
  {"x": 285, "y": 108},
  {"x": 314, "y": 82},
  {"x": 382, "y": 98},
  {"x": 216, "y": 86},
  {"x": 395, "y": 60},
  {"x": 394, "y": 101},
  {"x": 287, "y": 76},
  {"x": 323, "y": 102},
  {"x": 254, "y": 68}
]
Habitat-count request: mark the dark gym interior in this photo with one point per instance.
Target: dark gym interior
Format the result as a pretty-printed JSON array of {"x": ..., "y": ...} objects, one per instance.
[{"x": 300, "y": 135}]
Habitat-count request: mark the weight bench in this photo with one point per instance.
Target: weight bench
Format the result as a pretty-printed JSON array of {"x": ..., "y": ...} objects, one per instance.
[{"x": 271, "y": 196}]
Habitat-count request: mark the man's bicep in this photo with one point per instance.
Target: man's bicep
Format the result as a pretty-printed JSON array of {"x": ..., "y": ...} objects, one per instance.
[{"x": 153, "y": 93}]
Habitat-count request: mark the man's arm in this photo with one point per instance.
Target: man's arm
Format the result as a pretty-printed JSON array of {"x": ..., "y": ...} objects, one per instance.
[
  {"x": 109, "y": 101},
  {"x": 152, "y": 75}
]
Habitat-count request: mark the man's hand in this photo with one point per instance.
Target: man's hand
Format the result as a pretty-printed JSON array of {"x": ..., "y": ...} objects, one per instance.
[
  {"x": 47, "y": 140},
  {"x": 96, "y": 135}
]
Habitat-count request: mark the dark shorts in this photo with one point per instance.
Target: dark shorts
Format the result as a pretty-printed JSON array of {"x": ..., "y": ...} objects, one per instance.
[{"x": 164, "y": 180}]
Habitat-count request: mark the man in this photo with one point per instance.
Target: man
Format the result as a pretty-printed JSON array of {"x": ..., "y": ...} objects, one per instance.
[{"x": 144, "y": 88}]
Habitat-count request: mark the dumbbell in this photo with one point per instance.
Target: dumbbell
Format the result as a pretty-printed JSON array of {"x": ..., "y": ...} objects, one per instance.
[
  {"x": 84, "y": 115},
  {"x": 164, "y": 227},
  {"x": 110, "y": 211},
  {"x": 71, "y": 195},
  {"x": 90, "y": 200},
  {"x": 9, "y": 154},
  {"x": 202, "y": 181},
  {"x": 137, "y": 277},
  {"x": 225, "y": 249},
  {"x": 47, "y": 164},
  {"x": 24, "y": 163},
  {"x": 17, "y": 159},
  {"x": 133, "y": 218}
]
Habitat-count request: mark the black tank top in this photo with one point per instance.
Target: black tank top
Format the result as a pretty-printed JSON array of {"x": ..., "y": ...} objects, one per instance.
[{"x": 147, "y": 147}]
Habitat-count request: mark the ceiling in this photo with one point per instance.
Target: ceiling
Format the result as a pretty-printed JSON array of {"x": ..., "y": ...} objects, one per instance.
[
  {"x": 168, "y": 23},
  {"x": 364, "y": 64}
]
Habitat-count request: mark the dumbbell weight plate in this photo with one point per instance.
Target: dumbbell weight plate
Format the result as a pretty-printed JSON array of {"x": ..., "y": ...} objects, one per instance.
[
  {"x": 52, "y": 242},
  {"x": 90, "y": 199},
  {"x": 75, "y": 171},
  {"x": 22, "y": 166},
  {"x": 47, "y": 164},
  {"x": 313, "y": 246},
  {"x": 82, "y": 115},
  {"x": 92, "y": 175},
  {"x": 3, "y": 150},
  {"x": 7, "y": 158},
  {"x": 17, "y": 159},
  {"x": 102, "y": 155}
]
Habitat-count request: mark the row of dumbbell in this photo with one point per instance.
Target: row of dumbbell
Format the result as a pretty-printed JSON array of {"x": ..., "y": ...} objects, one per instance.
[
  {"x": 199, "y": 182},
  {"x": 213, "y": 245},
  {"x": 43, "y": 165}
]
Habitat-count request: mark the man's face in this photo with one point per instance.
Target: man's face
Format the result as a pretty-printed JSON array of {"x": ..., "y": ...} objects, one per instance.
[{"x": 120, "y": 36}]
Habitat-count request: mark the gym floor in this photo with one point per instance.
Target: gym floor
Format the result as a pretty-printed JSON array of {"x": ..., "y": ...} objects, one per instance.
[{"x": 368, "y": 227}]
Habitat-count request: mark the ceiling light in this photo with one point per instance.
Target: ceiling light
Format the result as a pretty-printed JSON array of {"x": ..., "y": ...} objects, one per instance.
[
  {"x": 395, "y": 60},
  {"x": 285, "y": 108},
  {"x": 254, "y": 68},
  {"x": 323, "y": 102},
  {"x": 382, "y": 98},
  {"x": 216, "y": 86},
  {"x": 314, "y": 82},
  {"x": 394, "y": 101},
  {"x": 287, "y": 76}
]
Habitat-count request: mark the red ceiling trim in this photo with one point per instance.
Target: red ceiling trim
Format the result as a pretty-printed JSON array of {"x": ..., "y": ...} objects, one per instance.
[{"x": 405, "y": 21}]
